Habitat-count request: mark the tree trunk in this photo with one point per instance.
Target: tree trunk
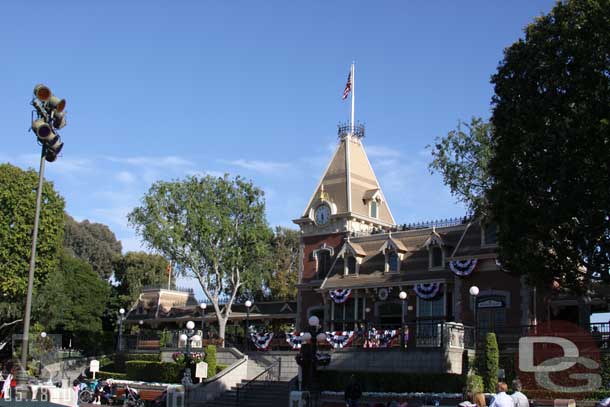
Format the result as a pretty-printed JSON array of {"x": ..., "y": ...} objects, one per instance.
[{"x": 222, "y": 324}]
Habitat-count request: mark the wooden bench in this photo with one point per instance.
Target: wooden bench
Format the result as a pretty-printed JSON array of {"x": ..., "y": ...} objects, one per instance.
[
  {"x": 145, "y": 394},
  {"x": 149, "y": 344}
]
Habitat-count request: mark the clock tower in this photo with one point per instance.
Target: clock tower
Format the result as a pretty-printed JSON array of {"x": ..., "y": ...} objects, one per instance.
[{"x": 348, "y": 201}]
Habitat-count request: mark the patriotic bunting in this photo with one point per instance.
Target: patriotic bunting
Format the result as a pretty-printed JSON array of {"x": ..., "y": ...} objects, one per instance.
[
  {"x": 380, "y": 339},
  {"x": 340, "y": 295},
  {"x": 427, "y": 291},
  {"x": 339, "y": 339},
  {"x": 463, "y": 267},
  {"x": 261, "y": 342},
  {"x": 294, "y": 339}
]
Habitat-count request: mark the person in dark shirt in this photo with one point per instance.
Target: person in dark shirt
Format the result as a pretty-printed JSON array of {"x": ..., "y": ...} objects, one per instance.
[{"x": 352, "y": 392}]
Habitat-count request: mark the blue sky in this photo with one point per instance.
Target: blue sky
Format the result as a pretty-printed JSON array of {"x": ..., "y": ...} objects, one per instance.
[{"x": 160, "y": 90}]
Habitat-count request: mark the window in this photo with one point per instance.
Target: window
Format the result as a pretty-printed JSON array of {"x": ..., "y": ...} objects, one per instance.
[
  {"x": 350, "y": 265},
  {"x": 393, "y": 262},
  {"x": 374, "y": 208},
  {"x": 324, "y": 263},
  {"x": 431, "y": 308},
  {"x": 490, "y": 232},
  {"x": 436, "y": 257}
]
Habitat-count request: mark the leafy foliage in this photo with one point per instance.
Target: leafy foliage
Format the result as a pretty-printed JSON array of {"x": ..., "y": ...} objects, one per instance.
[
  {"x": 552, "y": 136},
  {"x": 212, "y": 228},
  {"x": 210, "y": 359},
  {"x": 474, "y": 384},
  {"x": 150, "y": 371},
  {"x": 136, "y": 270},
  {"x": 283, "y": 274},
  {"x": 462, "y": 157},
  {"x": 492, "y": 363},
  {"x": 94, "y": 243},
  {"x": 17, "y": 209},
  {"x": 72, "y": 302}
]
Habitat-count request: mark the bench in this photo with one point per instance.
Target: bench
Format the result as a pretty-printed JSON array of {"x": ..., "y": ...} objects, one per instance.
[
  {"x": 145, "y": 394},
  {"x": 148, "y": 344}
]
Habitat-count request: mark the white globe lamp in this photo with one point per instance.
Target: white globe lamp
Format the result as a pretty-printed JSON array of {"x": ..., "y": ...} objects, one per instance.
[
  {"x": 314, "y": 321},
  {"x": 402, "y": 295},
  {"x": 474, "y": 290},
  {"x": 190, "y": 325}
]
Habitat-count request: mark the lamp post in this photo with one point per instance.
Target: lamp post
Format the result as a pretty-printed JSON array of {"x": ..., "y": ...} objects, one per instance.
[
  {"x": 248, "y": 304},
  {"x": 121, "y": 318},
  {"x": 308, "y": 357},
  {"x": 188, "y": 336},
  {"x": 203, "y": 306},
  {"x": 50, "y": 116},
  {"x": 474, "y": 292},
  {"x": 43, "y": 335},
  {"x": 403, "y": 299},
  {"x": 141, "y": 325}
]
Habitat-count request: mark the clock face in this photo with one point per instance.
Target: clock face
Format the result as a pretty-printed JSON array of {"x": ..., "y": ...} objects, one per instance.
[{"x": 322, "y": 214}]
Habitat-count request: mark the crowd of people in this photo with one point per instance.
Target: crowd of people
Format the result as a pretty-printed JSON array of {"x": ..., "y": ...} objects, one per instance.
[{"x": 353, "y": 394}]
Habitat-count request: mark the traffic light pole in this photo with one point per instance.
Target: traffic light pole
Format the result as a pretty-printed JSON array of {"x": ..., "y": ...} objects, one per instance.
[{"x": 22, "y": 377}]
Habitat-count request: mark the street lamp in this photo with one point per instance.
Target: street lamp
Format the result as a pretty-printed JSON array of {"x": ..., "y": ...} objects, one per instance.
[
  {"x": 308, "y": 357},
  {"x": 121, "y": 318},
  {"x": 187, "y": 337},
  {"x": 43, "y": 335},
  {"x": 403, "y": 298},
  {"x": 203, "y": 306},
  {"x": 141, "y": 325},
  {"x": 474, "y": 292},
  {"x": 248, "y": 304},
  {"x": 49, "y": 116}
]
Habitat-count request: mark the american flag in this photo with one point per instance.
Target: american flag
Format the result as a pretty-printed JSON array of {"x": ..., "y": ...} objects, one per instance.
[{"x": 348, "y": 86}]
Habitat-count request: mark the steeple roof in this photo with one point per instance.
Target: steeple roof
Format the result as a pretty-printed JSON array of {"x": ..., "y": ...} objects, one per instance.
[{"x": 349, "y": 184}]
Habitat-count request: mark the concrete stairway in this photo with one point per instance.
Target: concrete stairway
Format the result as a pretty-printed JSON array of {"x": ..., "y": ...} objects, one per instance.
[{"x": 258, "y": 394}]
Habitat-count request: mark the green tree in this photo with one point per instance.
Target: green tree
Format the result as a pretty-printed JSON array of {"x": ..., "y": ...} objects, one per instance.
[
  {"x": 17, "y": 208},
  {"x": 462, "y": 157},
  {"x": 212, "y": 228},
  {"x": 136, "y": 270},
  {"x": 94, "y": 243},
  {"x": 551, "y": 165},
  {"x": 492, "y": 363},
  {"x": 73, "y": 302},
  {"x": 283, "y": 274}
]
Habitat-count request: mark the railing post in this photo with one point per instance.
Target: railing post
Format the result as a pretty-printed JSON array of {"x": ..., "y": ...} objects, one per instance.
[{"x": 279, "y": 370}]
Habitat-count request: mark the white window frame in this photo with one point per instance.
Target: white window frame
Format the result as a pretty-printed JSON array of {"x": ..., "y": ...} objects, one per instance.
[
  {"x": 387, "y": 261},
  {"x": 371, "y": 202},
  {"x": 326, "y": 248}
]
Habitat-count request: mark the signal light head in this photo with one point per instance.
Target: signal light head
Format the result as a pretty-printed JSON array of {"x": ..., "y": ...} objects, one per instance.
[
  {"x": 53, "y": 149},
  {"x": 43, "y": 130},
  {"x": 42, "y": 92},
  {"x": 57, "y": 104},
  {"x": 59, "y": 120}
]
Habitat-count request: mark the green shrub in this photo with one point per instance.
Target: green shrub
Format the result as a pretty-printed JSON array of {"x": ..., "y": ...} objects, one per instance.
[
  {"x": 150, "y": 371},
  {"x": 492, "y": 363},
  {"x": 103, "y": 375},
  {"x": 150, "y": 357},
  {"x": 335, "y": 380},
  {"x": 220, "y": 368},
  {"x": 474, "y": 384},
  {"x": 165, "y": 338},
  {"x": 210, "y": 359},
  {"x": 605, "y": 370}
]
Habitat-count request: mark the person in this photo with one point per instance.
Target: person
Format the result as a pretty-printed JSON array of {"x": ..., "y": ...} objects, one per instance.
[
  {"x": 6, "y": 387},
  {"x": 519, "y": 398},
  {"x": 352, "y": 392},
  {"x": 502, "y": 399},
  {"x": 479, "y": 399}
]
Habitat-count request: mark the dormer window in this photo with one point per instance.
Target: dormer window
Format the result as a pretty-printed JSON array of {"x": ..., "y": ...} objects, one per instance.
[
  {"x": 392, "y": 262},
  {"x": 436, "y": 257},
  {"x": 374, "y": 208},
  {"x": 351, "y": 265},
  {"x": 489, "y": 234}
]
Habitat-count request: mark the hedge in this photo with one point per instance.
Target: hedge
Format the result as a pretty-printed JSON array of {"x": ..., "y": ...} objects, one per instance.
[
  {"x": 549, "y": 395},
  {"x": 220, "y": 368},
  {"x": 121, "y": 358},
  {"x": 474, "y": 384},
  {"x": 110, "y": 375},
  {"x": 148, "y": 371},
  {"x": 336, "y": 380},
  {"x": 210, "y": 359}
]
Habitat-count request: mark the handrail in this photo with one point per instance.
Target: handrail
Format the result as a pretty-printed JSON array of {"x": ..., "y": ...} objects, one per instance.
[{"x": 241, "y": 389}]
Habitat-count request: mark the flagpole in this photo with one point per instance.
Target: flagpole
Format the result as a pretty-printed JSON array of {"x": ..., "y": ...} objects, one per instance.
[
  {"x": 169, "y": 276},
  {"x": 353, "y": 95}
]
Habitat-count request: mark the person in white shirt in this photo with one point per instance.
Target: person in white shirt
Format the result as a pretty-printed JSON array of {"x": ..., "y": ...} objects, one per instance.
[
  {"x": 502, "y": 399},
  {"x": 519, "y": 398}
]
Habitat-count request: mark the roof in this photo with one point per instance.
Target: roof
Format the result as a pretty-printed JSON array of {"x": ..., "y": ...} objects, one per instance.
[
  {"x": 463, "y": 240},
  {"x": 348, "y": 183}
]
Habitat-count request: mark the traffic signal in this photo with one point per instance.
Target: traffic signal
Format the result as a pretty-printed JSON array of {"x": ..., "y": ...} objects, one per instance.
[{"x": 51, "y": 115}]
